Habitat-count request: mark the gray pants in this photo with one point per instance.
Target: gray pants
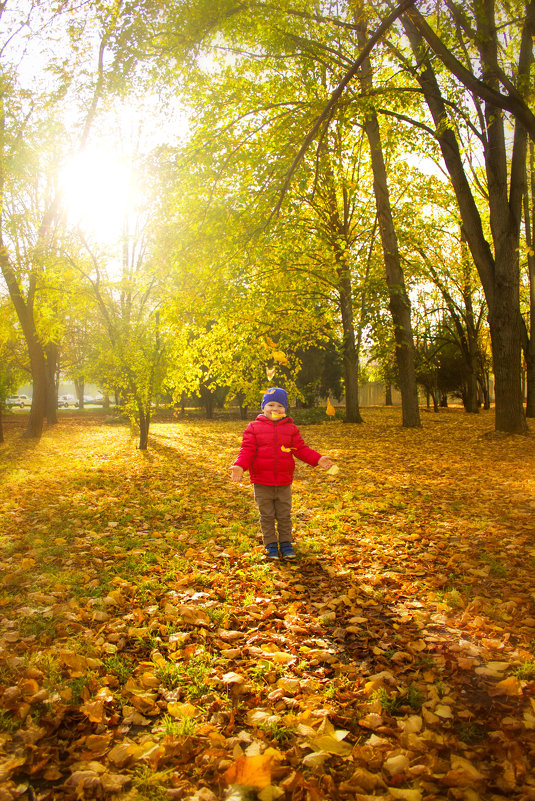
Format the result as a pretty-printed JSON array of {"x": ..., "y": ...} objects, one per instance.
[{"x": 274, "y": 503}]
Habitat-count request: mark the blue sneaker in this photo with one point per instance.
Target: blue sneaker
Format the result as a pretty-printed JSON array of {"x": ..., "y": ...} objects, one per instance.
[
  {"x": 272, "y": 550},
  {"x": 287, "y": 550}
]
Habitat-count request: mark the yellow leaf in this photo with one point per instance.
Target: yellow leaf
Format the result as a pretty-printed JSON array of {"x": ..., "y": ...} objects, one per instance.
[
  {"x": 282, "y": 658},
  {"x": 280, "y": 357},
  {"x": 270, "y": 372},
  {"x": 326, "y": 744},
  {"x": 123, "y": 753},
  {"x": 286, "y": 450},
  {"x": 270, "y": 793},
  {"x": 159, "y": 659},
  {"x": 460, "y": 763},
  {"x": 94, "y": 711},
  {"x": 363, "y": 779},
  {"x": 333, "y": 470},
  {"x": 509, "y": 686},
  {"x": 181, "y": 710},
  {"x": 330, "y": 410},
  {"x": 405, "y": 795}
]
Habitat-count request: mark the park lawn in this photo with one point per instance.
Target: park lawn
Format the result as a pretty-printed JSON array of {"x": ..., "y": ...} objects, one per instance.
[{"x": 147, "y": 649}]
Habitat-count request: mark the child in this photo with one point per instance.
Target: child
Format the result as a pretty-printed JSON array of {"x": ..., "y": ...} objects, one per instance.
[{"x": 268, "y": 447}]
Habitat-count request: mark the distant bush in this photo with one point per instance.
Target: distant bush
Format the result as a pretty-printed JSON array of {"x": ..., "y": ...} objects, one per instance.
[{"x": 310, "y": 416}]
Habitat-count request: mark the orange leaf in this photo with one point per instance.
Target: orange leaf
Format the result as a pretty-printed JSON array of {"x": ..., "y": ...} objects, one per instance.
[
  {"x": 509, "y": 686},
  {"x": 252, "y": 771},
  {"x": 94, "y": 711}
]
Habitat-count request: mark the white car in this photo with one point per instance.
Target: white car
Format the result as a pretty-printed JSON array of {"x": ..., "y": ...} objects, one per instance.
[
  {"x": 67, "y": 400},
  {"x": 18, "y": 400}
]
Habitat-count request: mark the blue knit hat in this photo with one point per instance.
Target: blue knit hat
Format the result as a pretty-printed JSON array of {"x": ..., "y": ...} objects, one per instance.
[{"x": 275, "y": 394}]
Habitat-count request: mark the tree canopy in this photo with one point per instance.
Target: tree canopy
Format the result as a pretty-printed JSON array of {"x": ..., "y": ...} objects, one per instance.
[{"x": 347, "y": 176}]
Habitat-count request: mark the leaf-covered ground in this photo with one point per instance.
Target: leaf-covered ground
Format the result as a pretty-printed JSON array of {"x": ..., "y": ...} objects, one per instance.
[{"x": 148, "y": 651}]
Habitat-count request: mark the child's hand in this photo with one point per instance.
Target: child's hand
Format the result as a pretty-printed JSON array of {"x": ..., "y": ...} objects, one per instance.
[
  {"x": 236, "y": 473},
  {"x": 325, "y": 462}
]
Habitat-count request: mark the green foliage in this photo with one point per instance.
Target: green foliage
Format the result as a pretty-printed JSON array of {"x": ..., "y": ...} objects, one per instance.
[
  {"x": 526, "y": 671},
  {"x": 179, "y": 727},
  {"x": 497, "y": 567},
  {"x": 190, "y": 676},
  {"x": 393, "y": 702}
]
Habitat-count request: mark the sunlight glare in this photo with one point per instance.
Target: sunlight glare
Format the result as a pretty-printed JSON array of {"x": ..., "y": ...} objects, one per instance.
[{"x": 99, "y": 191}]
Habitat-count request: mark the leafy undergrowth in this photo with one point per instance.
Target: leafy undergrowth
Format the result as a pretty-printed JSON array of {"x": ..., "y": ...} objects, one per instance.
[{"x": 148, "y": 651}]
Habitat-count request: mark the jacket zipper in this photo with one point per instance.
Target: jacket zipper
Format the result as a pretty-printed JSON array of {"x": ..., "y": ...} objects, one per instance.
[{"x": 276, "y": 452}]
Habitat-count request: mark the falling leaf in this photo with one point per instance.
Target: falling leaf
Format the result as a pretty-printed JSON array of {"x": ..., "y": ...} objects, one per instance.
[
  {"x": 253, "y": 771},
  {"x": 280, "y": 357},
  {"x": 270, "y": 372}
]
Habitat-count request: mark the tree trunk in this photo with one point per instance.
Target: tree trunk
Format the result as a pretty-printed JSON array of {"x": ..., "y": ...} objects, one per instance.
[
  {"x": 207, "y": 399},
  {"x": 399, "y": 303},
  {"x": 337, "y": 231},
  {"x": 388, "y": 394},
  {"x": 79, "y": 386},
  {"x": 144, "y": 425},
  {"x": 499, "y": 273},
  {"x": 505, "y": 333},
  {"x": 52, "y": 358},
  {"x": 530, "y": 382},
  {"x": 528, "y": 337},
  {"x": 398, "y": 299},
  {"x": 471, "y": 404},
  {"x": 1, "y": 427},
  {"x": 36, "y": 419},
  {"x": 350, "y": 356}
]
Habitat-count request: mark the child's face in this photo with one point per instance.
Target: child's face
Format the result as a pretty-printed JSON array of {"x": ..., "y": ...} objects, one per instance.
[{"x": 274, "y": 410}]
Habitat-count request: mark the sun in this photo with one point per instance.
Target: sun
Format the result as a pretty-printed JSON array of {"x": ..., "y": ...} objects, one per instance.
[{"x": 99, "y": 192}]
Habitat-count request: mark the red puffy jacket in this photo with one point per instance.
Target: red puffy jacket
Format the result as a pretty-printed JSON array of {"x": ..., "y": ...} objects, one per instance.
[{"x": 268, "y": 448}]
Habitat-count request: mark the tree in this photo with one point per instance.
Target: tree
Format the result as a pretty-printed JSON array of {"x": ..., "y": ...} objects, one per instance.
[
  {"x": 131, "y": 361},
  {"x": 480, "y": 41},
  {"x": 31, "y": 134},
  {"x": 528, "y": 333},
  {"x": 11, "y": 371},
  {"x": 399, "y": 302}
]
